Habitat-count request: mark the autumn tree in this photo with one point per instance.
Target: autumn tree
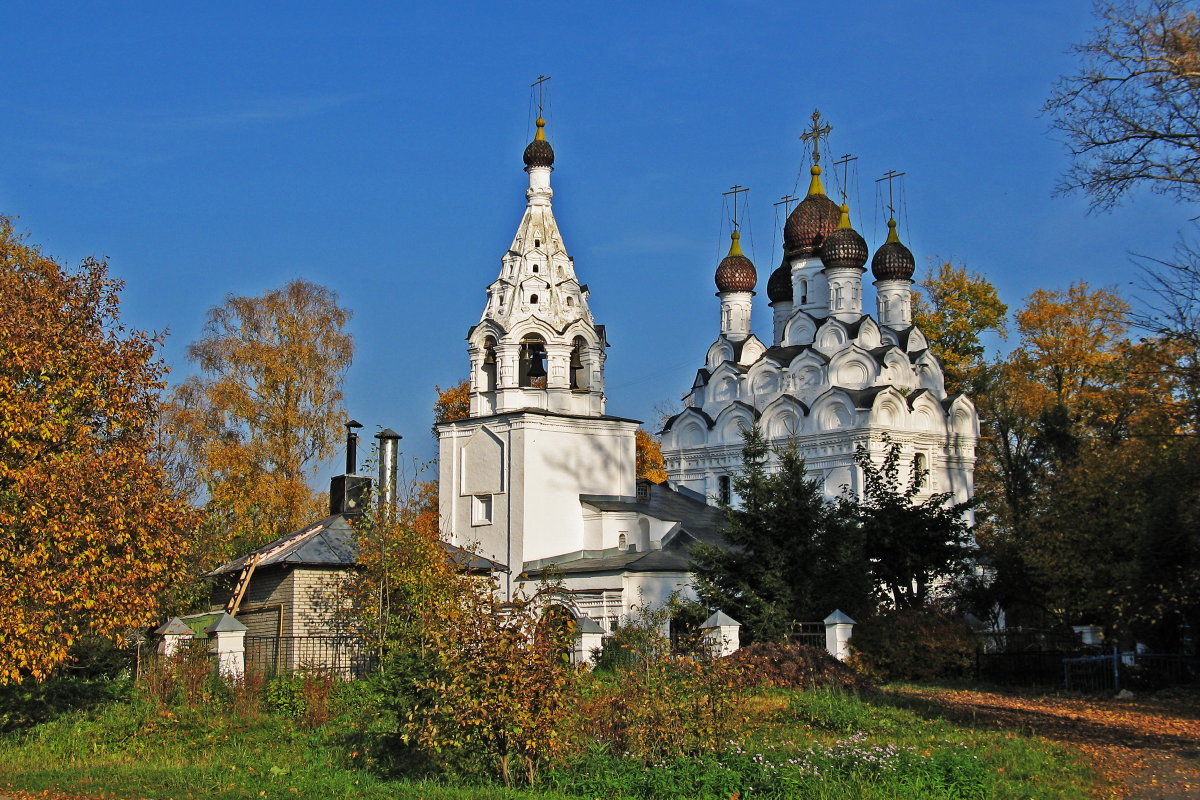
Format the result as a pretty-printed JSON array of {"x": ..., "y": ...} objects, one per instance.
[
  {"x": 92, "y": 534},
  {"x": 648, "y": 457},
  {"x": 452, "y": 403},
  {"x": 1130, "y": 114},
  {"x": 265, "y": 410},
  {"x": 955, "y": 310}
]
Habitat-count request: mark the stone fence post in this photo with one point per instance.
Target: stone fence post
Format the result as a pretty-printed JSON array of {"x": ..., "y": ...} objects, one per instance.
[
  {"x": 227, "y": 646},
  {"x": 174, "y": 633},
  {"x": 589, "y": 638},
  {"x": 838, "y": 630},
  {"x": 722, "y": 634}
]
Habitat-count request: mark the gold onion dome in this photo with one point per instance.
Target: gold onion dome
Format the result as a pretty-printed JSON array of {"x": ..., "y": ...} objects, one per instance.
[
  {"x": 811, "y": 221},
  {"x": 779, "y": 285},
  {"x": 844, "y": 248},
  {"x": 736, "y": 273},
  {"x": 539, "y": 153},
  {"x": 893, "y": 261}
]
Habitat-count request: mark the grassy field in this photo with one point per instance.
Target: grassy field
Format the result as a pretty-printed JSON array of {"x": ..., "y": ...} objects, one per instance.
[{"x": 815, "y": 744}]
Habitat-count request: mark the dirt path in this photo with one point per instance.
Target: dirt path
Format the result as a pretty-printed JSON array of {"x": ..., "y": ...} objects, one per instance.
[{"x": 1148, "y": 746}]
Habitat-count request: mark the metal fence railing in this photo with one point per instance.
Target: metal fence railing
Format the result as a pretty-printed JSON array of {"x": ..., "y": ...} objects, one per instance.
[
  {"x": 809, "y": 633},
  {"x": 342, "y": 656}
]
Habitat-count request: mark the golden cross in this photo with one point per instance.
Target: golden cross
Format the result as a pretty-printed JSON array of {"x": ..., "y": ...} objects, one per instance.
[
  {"x": 814, "y": 135},
  {"x": 735, "y": 190},
  {"x": 538, "y": 83},
  {"x": 844, "y": 162},
  {"x": 890, "y": 176}
]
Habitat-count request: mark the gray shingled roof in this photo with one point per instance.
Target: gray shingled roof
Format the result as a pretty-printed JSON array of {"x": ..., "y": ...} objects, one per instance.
[
  {"x": 329, "y": 542},
  {"x": 698, "y": 522}
]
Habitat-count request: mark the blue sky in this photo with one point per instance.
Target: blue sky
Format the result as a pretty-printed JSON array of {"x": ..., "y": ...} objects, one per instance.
[{"x": 376, "y": 148}]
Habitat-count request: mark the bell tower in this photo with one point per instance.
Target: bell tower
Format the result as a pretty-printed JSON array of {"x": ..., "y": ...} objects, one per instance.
[
  {"x": 536, "y": 438},
  {"x": 536, "y": 344}
]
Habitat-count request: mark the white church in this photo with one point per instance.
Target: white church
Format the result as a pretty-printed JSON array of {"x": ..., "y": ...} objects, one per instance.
[{"x": 538, "y": 475}]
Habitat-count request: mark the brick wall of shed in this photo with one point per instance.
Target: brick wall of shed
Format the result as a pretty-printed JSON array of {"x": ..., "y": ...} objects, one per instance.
[{"x": 320, "y": 605}]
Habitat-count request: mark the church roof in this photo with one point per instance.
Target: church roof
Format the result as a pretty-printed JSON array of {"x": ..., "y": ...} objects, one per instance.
[
  {"x": 736, "y": 273},
  {"x": 697, "y": 522}
]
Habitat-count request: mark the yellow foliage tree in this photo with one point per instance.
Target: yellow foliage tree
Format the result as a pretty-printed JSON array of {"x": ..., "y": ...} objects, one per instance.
[
  {"x": 266, "y": 410},
  {"x": 954, "y": 309},
  {"x": 92, "y": 535},
  {"x": 452, "y": 403},
  {"x": 649, "y": 458}
]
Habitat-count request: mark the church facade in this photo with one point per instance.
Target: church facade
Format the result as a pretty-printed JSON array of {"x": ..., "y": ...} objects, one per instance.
[
  {"x": 833, "y": 377},
  {"x": 538, "y": 477}
]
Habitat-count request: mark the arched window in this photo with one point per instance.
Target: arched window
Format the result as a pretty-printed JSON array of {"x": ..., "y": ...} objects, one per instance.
[
  {"x": 724, "y": 489},
  {"x": 535, "y": 267},
  {"x": 533, "y": 299},
  {"x": 803, "y": 292},
  {"x": 489, "y": 364},
  {"x": 533, "y": 361},
  {"x": 579, "y": 370},
  {"x": 622, "y": 542}
]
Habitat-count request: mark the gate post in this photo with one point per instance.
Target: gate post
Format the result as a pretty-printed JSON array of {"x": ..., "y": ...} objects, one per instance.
[
  {"x": 721, "y": 634},
  {"x": 228, "y": 646},
  {"x": 174, "y": 633},
  {"x": 838, "y": 630}
]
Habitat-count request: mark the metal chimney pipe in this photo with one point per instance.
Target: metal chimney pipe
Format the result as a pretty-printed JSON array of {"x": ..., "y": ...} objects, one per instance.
[
  {"x": 352, "y": 446},
  {"x": 388, "y": 453}
]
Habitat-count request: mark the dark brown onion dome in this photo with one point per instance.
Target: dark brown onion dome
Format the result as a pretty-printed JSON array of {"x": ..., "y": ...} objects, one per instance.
[
  {"x": 844, "y": 248},
  {"x": 539, "y": 153},
  {"x": 779, "y": 285},
  {"x": 810, "y": 222},
  {"x": 893, "y": 261},
  {"x": 736, "y": 273}
]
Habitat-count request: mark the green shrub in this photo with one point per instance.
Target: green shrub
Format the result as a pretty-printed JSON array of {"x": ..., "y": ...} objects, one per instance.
[
  {"x": 285, "y": 696},
  {"x": 913, "y": 645}
]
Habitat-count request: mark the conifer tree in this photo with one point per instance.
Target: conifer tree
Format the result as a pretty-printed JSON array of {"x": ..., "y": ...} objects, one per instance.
[{"x": 791, "y": 555}]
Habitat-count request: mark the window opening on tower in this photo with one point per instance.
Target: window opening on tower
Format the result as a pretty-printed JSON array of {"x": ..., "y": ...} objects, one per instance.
[{"x": 533, "y": 361}]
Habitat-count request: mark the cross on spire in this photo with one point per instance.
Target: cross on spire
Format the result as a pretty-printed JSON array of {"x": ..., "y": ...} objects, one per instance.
[
  {"x": 735, "y": 190},
  {"x": 890, "y": 176},
  {"x": 541, "y": 79},
  {"x": 844, "y": 162},
  {"x": 815, "y": 135},
  {"x": 785, "y": 200}
]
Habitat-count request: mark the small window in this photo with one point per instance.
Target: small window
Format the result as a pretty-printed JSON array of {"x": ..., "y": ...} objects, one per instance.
[
  {"x": 535, "y": 267},
  {"x": 920, "y": 470},
  {"x": 537, "y": 243},
  {"x": 724, "y": 490},
  {"x": 481, "y": 509},
  {"x": 533, "y": 299},
  {"x": 622, "y": 542},
  {"x": 643, "y": 491},
  {"x": 570, "y": 302}
]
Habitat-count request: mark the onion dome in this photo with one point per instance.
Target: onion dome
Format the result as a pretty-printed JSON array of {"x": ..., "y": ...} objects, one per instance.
[
  {"x": 893, "y": 261},
  {"x": 779, "y": 285},
  {"x": 539, "y": 153},
  {"x": 811, "y": 221},
  {"x": 844, "y": 248},
  {"x": 736, "y": 273}
]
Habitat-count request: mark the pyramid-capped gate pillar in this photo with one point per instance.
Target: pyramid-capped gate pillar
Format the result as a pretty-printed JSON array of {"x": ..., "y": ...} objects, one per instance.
[{"x": 838, "y": 630}]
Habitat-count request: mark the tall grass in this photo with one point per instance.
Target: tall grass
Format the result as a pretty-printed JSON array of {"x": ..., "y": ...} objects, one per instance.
[{"x": 816, "y": 744}]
